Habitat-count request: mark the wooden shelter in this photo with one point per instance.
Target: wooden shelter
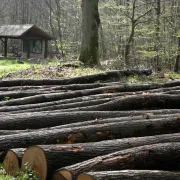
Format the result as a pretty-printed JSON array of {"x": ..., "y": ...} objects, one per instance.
[{"x": 35, "y": 40}]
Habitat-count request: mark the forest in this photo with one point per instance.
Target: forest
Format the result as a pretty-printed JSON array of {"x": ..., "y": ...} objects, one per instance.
[
  {"x": 135, "y": 33},
  {"x": 89, "y": 90}
]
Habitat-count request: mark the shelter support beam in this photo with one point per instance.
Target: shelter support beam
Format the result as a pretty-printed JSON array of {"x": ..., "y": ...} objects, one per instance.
[
  {"x": 46, "y": 49},
  {"x": 5, "y": 46},
  {"x": 28, "y": 48}
]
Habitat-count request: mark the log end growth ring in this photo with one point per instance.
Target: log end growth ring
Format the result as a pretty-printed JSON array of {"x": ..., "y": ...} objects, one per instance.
[
  {"x": 84, "y": 177},
  {"x": 11, "y": 163},
  {"x": 62, "y": 175},
  {"x": 35, "y": 158}
]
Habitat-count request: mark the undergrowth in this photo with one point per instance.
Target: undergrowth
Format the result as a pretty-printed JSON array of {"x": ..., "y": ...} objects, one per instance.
[{"x": 27, "y": 174}]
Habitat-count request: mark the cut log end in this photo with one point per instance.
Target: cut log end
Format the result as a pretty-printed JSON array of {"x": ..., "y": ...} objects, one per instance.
[
  {"x": 84, "y": 177},
  {"x": 62, "y": 175},
  {"x": 11, "y": 163},
  {"x": 36, "y": 159}
]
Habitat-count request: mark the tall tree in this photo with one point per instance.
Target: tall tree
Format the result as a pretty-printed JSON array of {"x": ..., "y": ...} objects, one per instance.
[
  {"x": 89, "y": 53},
  {"x": 134, "y": 22},
  {"x": 177, "y": 63},
  {"x": 158, "y": 26}
]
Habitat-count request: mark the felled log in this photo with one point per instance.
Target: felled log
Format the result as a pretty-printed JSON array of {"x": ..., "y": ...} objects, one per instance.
[
  {"x": 84, "y": 86},
  {"x": 148, "y": 101},
  {"x": 69, "y": 105},
  {"x": 76, "y": 80},
  {"x": 92, "y": 122},
  {"x": 46, "y": 159},
  {"x": 67, "y": 95},
  {"x": 173, "y": 92},
  {"x": 163, "y": 156},
  {"x": 16, "y": 94},
  {"x": 16, "y": 88},
  {"x": 49, "y": 119},
  {"x": 92, "y": 133},
  {"x": 42, "y": 119},
  {"x": 130, "y": 175},
  {"x": 56, "y": 87},
  {"x": 12, "y": 160},
  {"x": 39, "y": 106},
  {"x": 80, "y": 93}
]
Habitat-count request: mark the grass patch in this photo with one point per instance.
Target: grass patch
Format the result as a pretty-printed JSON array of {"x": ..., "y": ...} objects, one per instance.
[
  {"x": 55, "y": 69},
  {"x": 51, "y": 69},
  {"x": 154, "y": 78},
  {"x": 27, "y": 174},
  {"x": 10, "y": 66}
]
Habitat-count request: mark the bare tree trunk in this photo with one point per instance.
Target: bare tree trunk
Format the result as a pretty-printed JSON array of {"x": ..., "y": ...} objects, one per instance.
[
  {"x": 158, "y": 13},
  {"x": 177, "y": 63},
  {"x": 90, "y": 26}
]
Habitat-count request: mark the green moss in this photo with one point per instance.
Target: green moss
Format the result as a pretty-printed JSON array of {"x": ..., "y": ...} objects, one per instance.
[{"x": 90, "y": 56}]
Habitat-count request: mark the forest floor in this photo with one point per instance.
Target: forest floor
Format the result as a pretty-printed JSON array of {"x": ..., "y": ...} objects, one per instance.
[{"x": 54, "y": 69}]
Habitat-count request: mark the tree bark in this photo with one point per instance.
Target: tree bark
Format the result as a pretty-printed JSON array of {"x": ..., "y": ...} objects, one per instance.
[
  {"x": 89, "y": 54},
  {"x": 144, "y": 116},
  {"x": 58, "y": 156},
  {"x": 98, "y": 101},
  {"x": 163, "y": 156},
  {"x": 130, "y": 175},
  {"x": 59, "y": 96},
  {"x": 12, "y": 95},
  {"x": 91, "y": 133},
  {"x": 177, "y": 62},
  {"x": 48, "y": 119},
  {"x": 104, "y": 76},
  {"x": 41, "y": 106},
  {"x": 55, "y": 104},
  {"x": 148, "y": 101}
]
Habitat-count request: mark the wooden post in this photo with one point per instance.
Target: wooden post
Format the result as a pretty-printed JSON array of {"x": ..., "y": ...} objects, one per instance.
[
  {"x": 46, "y": 49},
  {"x": 28, "y": 48},
  {"x": 5, "y": 46}
]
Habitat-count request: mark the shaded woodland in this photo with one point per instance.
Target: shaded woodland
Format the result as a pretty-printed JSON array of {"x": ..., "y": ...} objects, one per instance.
[{"x": 134, "y": 33}]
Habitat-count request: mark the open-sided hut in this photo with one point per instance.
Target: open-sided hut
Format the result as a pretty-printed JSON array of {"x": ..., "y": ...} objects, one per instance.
[{"x": 35, "y": 40}]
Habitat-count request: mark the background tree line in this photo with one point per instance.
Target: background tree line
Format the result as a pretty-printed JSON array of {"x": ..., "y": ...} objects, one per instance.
[{"x": 136, "y": 33}]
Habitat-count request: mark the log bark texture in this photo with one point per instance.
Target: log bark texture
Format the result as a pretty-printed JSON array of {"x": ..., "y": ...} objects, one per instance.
[
  {"x": 81, "y": 79},
  {"x": 163, "y": 156},
  {"x": 91, "y": 133},
  {"x": 80, "y": 93},
  {"x": 58, "y": 156},
  {"x": 40, "y": 106},
  {"x": 130, "y": 175},
  {"x": 42, "y": 119},
  {"x": 149, "y": 101},
  {"x": 144, "y": 116}
]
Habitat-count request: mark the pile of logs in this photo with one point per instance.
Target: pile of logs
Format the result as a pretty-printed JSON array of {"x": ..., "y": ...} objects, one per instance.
[{"x": 91, "y": 128}]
